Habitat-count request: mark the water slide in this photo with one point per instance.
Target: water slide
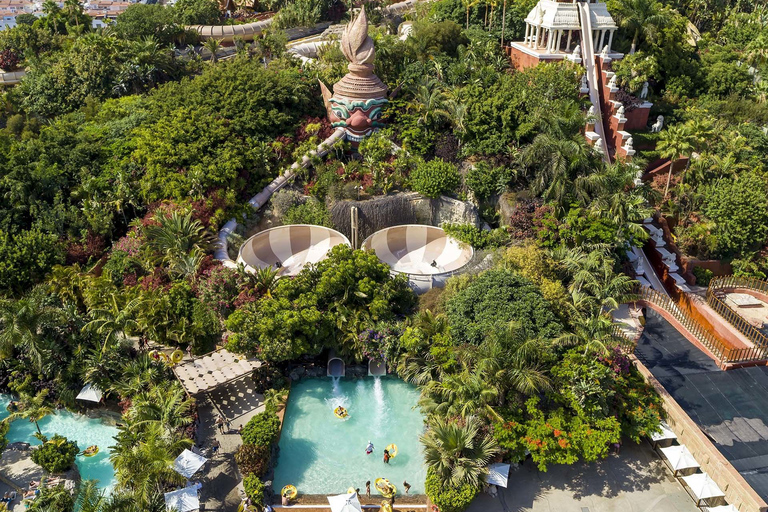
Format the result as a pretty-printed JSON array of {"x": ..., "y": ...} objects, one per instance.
[{"x": 593, "y": 80}]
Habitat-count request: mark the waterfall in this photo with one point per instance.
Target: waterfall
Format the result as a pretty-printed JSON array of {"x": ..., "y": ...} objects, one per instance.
[{"x": 336, "y": 382}]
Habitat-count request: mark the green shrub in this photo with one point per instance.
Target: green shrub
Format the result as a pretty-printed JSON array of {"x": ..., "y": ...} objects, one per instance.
[
  {"x": 56, "y": 455},
  {"x": 253, "y": 459},
  {"x": 4, "y": 427},
  {"x": 262, "y": 429},
  {"x": 448, "y": 498},
  {"x": 254, "y": 489},
  {"x": 311, "y": 212},
  {"x": 435, "y": 178},
  {"x": 486, "y": 181},
  {"x": 26, "y": 257},
  {"x": 493, "y": 300},
  {"x": 476, "y": 237},
  {"x": 703, "y": 276}
]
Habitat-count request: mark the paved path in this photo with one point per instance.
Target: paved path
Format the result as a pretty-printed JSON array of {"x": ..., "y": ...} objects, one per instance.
[
  {"x": 634, "y": 481},
  {"x": 222, "y": 481}
]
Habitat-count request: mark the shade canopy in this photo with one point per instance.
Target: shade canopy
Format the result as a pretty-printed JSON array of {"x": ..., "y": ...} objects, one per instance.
[
  {"x": 702, "y": 486},
  {"x": 215, "y": 369},
  {"x": 90, "y": 393},
  {"x": 182, "y": 500},
  {"x": 188, "y": 463},
  {"x": 679, "y": 457},
  {"x": 666, "y": 433},
  {"x": 498, "y": 474},
  {"x": 345, "y": 503}
]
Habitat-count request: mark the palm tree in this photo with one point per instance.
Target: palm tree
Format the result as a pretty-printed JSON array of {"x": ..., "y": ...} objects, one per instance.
[
  {"x": 138, "y": 375},
  {"x": 144, "y": 467},
  {"x": 428, "y": 101},
  {"x": 21, "y": 327},
  {"x": 460, "y": 394},
  {"x": 458, "y": 452},
  {"x": 265, "y": 280},
  {"x": 468, "y": 4},
  {"x": 66, "y": 282},
  {"x": 114, "y": 320},
  {"x": 595, "y": 332},
  {"x": 167, "y": 407},
  {"x": 33, "y": 408},
  {"x": 641, "y": 17},
  {"x": 177, "y": 235},
  {"x": 213, "y": 46},
  {"x": 275, "y": 399},
  {"x": 674, "y": 143},
  {"x": 561, "y": 168},
  {"x": 89, "y": 497},
  {"x": 594, "y": 286}
]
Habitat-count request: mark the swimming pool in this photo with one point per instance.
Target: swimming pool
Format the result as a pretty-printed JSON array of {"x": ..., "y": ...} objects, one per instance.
[
  {"x": 75, "y": 427},
  {"x": 321, "y": 454}
]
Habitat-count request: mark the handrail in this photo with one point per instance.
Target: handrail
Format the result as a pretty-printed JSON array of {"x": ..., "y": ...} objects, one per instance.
[
  {"x": 720, "y": 350},
  {"x": 594, "y": 81},
  {"x": 739, "y": 322}
]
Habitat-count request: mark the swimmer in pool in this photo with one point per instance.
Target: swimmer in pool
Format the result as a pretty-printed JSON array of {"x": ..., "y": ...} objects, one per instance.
[{"x": 369, "y": 448}]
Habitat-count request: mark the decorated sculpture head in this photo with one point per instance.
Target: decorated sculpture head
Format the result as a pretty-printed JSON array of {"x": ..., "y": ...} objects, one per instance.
[{"x": 359, "y": 96}]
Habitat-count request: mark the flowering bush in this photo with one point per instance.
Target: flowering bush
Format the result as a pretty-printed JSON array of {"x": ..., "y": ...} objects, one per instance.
[
  {"x": 219, "y": 288},
  {"x": 378, "y": 343},
  {"x": 9, "y": 60}
]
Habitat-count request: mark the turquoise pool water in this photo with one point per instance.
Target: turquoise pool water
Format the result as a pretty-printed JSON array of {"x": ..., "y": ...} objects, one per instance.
[
  {"x": 85, "y": 431},
  {"x": 321, "y": 454}
]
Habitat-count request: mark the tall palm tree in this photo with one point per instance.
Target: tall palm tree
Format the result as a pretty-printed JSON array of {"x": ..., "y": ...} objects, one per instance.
[
  {"x": 89, "y": 498},
  {"x": 561, "y": 169},
  {"x": 21, "y": 327},
  {"x": 468, "y": 4},
  {"x": 464, "y": 394},
  {"x": 33, "y": 408},
  {"x": 113, "y": 320},
  {"x": 459, "y": 453},
  {"x": 641, "y": 17},
  {"x": 674, "y": 143},
  {"x": 166, "y": 407},
  {"x": 428, "y": 101},
  {"x": 594, "y": 286},
  {"x": 595, "y": 332},
  {"x": 145, "y": 467}
]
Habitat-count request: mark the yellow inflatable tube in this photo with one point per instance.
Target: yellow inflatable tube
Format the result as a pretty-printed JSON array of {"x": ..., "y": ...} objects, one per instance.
[
  {"x": 392, "y": 449},
  {"x": 385, "y": 487},
  {"x": 340, "y": 412},
  {"x": 289, "y": 491}
]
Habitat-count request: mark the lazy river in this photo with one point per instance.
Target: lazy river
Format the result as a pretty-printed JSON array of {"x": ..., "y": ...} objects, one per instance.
[{"x": 75, "y": 427}]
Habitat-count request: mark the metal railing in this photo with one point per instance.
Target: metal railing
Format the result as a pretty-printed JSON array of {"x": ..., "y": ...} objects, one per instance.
[
  {"x": 681, "y": 311},
  {"x": 739, "y": 322}
]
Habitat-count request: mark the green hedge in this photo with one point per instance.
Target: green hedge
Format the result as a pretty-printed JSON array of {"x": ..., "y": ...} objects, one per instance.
[
  {"x": 262, "y": 429},
  {"x": 435, "y": 178},
  {"x": 448, "y": 498},
  {"x": 254, "y": 489}
]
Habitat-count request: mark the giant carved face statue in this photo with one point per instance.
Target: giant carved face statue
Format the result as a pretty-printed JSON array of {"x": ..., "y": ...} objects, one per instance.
[
  {"x": 359, "y": 117},
  {"x": 357, "y": 98}
]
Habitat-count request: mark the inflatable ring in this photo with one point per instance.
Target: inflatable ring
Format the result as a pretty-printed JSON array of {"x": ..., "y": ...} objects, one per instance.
[
  {"x": 351, "y": 490},
  {"x": 289, "y": 491},
  {"x": 385, "y": 507},
  {"x": 385, "y": 487},
  {"x": 392, "y": 449},
  {"x": 340, "y": 412},
  {"x": 164, "y": 357},
  {"x": 153, "y": 354},
  {"x": 177, "y": 356},
  {"x": 90, "y": 451}
]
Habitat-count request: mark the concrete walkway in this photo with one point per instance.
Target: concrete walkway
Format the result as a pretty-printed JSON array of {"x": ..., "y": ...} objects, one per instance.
[
  {"x": 222, "y": 482},
  {"x": 634, "y": 481}
]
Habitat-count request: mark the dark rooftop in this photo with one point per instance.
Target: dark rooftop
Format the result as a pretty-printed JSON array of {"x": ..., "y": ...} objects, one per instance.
[{"x": 730, "y": 407}]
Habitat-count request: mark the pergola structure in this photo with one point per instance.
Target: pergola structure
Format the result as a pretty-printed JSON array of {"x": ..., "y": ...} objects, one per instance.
[{"x": 205, "y": 373}]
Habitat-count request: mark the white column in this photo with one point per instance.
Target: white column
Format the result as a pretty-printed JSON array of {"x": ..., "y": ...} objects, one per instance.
[
  {"x": 610, "y": 39},
  {"x": 568, "y": 43},
  {"x": 602, "y": 42},
  {"x": 597, "y": 36},
  {"x": 527, "y": 39},
  {"x": 559, "y": 38},
  {"x": 536, "y": 41}
]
